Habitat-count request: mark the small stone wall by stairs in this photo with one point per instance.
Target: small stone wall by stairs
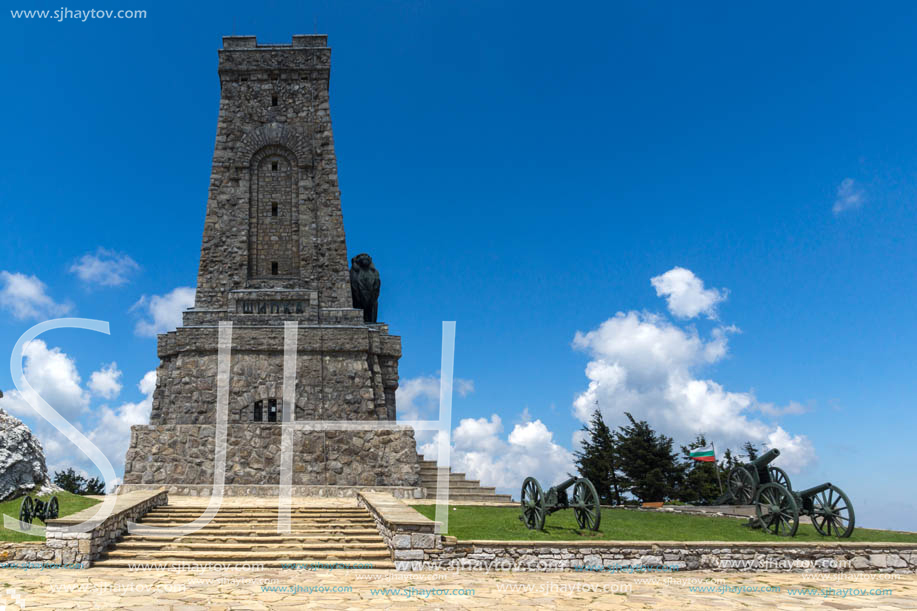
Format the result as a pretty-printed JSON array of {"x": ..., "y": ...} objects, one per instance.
[
  {"x": 460, "y": 489},
  {"x": 239, "y": 536}
]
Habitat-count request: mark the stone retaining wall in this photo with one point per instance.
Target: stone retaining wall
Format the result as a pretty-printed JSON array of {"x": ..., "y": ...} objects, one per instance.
[
  {"x": 410, "y": 536},
  {"x": 24, "y": 551},
  {"x": 83, "y": 547},
  {"x": 617, "y": 556},
  {"x": 415, "y": 546}
]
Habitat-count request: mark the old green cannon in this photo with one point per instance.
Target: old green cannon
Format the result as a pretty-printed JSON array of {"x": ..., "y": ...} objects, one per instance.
[
  {"x": 43, "y": 510},
  {"x": 536, "y": 505},
  {"x": 743, "y": 481},
  {"x": 778, "y": 508}
]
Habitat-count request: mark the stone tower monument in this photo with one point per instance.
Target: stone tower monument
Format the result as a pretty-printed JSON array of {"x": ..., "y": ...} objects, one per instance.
[{"x": 273, "y": 253}]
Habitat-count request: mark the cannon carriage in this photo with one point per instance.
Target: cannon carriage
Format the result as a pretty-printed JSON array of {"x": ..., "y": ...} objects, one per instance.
[
  {"x": 43, "y": 510},
  {"x": 537, "y": 505},
  {"x": 778, "y": 508},
  {"x": 744, "y": 481}
]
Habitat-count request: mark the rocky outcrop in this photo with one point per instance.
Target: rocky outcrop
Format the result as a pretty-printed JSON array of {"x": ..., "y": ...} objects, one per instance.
[{"x": 22, "y": 461}]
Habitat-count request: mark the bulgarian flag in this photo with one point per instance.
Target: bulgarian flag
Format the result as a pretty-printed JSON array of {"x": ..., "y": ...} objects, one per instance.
[{"x": 703, "y": 455}]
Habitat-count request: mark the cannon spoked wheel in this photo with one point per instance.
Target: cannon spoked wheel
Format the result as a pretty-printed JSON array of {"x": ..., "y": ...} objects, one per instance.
[
  {"x": 777, "y": 510},
  {"x": 779, "y": 476},
  {"x": 53, "y": 509},
  {"x": 26, "y": 512},
  {"x": 586, "y": 505},
  {"x": 832, "y": 513},
  {"x": 533, "y": 509},
  {"x": 741, "y": 485}
]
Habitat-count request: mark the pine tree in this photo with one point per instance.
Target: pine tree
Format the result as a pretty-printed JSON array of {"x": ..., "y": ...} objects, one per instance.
[
  {"x": 729, "y": 461},
  {"x": 70, "y": 480},
  {"x": 74, "y": 483},
  {"x": 94, "y": 486},
  {"x": 598, "y": 461},
  {"x": 750, "y": 450},
  {"x": 648, "y": 461}
]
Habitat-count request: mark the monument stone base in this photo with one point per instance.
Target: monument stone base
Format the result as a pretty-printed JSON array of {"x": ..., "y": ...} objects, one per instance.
[{"x": 182, "y": 455}]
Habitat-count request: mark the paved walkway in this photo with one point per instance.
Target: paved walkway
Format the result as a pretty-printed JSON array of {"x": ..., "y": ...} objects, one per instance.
[{"x": 124, "y": 589}]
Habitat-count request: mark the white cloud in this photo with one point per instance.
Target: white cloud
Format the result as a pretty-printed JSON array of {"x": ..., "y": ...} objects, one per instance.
[
  {"x": 795, "y": 450},
  {"x": 644, "y": 364},
  {"x": 685, "y": 293},
  {"x": 479, "y": 451},
  {"x": 104, "y": 267},
  {"x": 163, "y": 311},
  {"x": 106, "y": 381},
  {"x": 26, "y": 297},
  {"x": 112, "y": 433},
  {"x": 418, "y": 398},
  {"x": 54, "y": 378},
  {"x": 849, "y": 196}
]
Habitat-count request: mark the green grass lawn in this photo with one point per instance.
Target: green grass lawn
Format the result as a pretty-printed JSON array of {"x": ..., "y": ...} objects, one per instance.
[
  {"x": 503, "y": 523},
  {"x": 69, "y": 504}
]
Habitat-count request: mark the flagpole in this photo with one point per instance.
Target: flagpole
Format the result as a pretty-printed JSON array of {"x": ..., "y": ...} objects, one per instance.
[{"x": 716, "y": 467}]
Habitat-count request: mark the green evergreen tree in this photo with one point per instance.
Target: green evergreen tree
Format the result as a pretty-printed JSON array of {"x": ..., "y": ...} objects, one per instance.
[
  {"x": 74, "y": 483},
  {"x": 729, "y": 461},
  {"x": 94, "y": 486},
  {"x": 750, "y": 450},
  {"x": 70, "y": 480},
  {"x": 648, "y": 462},
  {"x": 598, "y": 460}
]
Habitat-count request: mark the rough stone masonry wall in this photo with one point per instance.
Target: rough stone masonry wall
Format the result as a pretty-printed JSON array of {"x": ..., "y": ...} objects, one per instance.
[
  {"x": 183, "y": 455},
  {"x": 82, "y": 548},
  {"x": 24, "y": 554},
  {"x": 341, "y": 373},
  {"x": 409, "y": 542},
  {"x": 674, "y": 556},
  {"x": 298, "y": 128}
]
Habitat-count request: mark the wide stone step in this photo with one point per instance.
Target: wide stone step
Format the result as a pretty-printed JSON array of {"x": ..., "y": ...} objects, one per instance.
[
  {"x": 244, "y": 514},
  {"x": 239, "y": 511},
  {"x": 458, "y": 485},
  {"x": 268, "y": 527},
  {"x": 262, "y": 521},
  {"x": 166, "y": 563},
  {"x": 289, "y": 547},
  {"x": 433, "y": 471},
  {"x": 254, "y": 539},
  {"x": 463, "y": 489},
  {"x": 491, "y": 498},
  {"x": 262, "y": 532},
  {"x": 247, "y": 556}
]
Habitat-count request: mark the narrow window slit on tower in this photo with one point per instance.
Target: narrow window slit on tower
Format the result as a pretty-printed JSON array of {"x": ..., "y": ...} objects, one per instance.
[
  {"x": 258, "y": 411},
  {"x": 273, "y": 268},
  {"x": 275, "y": 166},
  {"x": 272, "y": 410},
  {"x": 274, "y": 100},
  {"x": 273, "y": 208}
]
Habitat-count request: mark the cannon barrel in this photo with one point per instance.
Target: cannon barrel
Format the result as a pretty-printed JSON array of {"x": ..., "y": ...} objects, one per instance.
[
  {"x": 810, "y": 492},
  {"x": 565, "y": 484},
  {"x": 765, "y": 459}
]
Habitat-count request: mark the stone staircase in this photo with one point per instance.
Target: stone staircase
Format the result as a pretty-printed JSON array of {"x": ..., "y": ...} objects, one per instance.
[
  {"x": 460, "y": 489},
  {"x": 249, "y": 535}
]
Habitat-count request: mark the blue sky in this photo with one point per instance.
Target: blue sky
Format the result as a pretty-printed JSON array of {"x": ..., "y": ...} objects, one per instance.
[{"x": 525, "y": 170}]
